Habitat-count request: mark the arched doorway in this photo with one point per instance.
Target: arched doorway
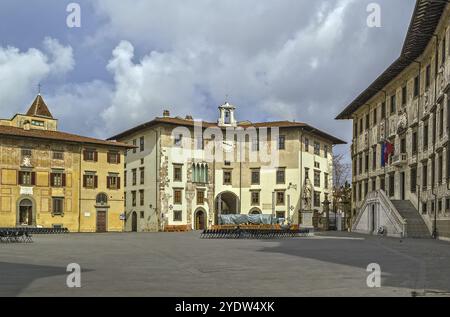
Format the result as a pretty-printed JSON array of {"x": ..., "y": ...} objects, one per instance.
[
  {"x": 134, "y": 221},
  {"x": 200, "y": 219},
  {"x": 227, "y": 203},
  {"x": 25, "y": 212}
]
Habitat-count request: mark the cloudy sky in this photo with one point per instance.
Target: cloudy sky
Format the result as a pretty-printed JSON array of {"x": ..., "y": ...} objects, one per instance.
[{"x": 300, "y": 60}]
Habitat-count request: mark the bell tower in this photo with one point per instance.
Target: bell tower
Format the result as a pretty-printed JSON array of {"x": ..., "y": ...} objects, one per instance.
[{"x": 226, "y": 115}]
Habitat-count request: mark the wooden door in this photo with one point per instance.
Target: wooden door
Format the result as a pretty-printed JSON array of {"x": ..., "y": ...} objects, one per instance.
[
  {"x": 101, "y": 220},
  {"x": 200, "y": 220},
  {"x": 134, "y": 222}
]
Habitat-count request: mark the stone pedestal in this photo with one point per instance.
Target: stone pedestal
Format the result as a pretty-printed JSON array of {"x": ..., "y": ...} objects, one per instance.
[{"x": 307, "y": 219}]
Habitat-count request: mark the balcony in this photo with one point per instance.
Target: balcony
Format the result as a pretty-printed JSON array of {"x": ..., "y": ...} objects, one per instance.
[{"x": 399, "y": 159}]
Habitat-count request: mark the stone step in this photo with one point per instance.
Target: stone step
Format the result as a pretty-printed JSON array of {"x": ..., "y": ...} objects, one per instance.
[{"x": 415, "y": 226}]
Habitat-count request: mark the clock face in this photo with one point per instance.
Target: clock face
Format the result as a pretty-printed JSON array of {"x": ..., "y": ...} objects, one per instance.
[{"x": 227, "y": 146}]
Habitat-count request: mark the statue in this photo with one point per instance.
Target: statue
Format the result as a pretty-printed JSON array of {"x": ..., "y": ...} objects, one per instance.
[
  {"x": 402, "y": 123},
  {"x": 307, "y": 194}
]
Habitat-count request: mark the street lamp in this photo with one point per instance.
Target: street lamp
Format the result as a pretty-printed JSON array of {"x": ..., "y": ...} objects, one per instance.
[{"x": 326, "y": 205}]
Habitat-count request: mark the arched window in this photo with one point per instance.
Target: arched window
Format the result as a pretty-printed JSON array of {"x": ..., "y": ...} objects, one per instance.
[
  {"x": 227, "y": 117},
  {"x": 200, "y": 173},
  {"x": 102, "y": 199}
]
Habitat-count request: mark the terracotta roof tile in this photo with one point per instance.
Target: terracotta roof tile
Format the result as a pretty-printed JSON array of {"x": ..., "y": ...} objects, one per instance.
[
  {"x": 39, "y": 109},
  {"x": 56, "y": 136}
]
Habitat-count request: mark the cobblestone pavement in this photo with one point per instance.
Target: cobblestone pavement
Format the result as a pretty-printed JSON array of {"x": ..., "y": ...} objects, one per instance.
[{"x": 182, "y": 264}]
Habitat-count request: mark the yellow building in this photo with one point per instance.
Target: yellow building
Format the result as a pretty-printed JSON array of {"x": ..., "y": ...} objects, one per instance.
[{"x": 50, "y": 178}]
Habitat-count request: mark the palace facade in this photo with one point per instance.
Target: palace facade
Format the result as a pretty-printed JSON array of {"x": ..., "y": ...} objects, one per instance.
[
  {"x": 406, "y": 109},
  {"x": 50, "y": 178},
  {"x": 184, "y": 173}
]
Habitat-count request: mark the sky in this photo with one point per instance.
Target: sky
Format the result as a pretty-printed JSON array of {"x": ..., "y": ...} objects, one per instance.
[{"x": 302, "y": 60}]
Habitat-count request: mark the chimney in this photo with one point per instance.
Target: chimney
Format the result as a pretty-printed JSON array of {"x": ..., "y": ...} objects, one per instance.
[
  {"x": 189, "y": 117},
  {"x": 166, "y": 113}
]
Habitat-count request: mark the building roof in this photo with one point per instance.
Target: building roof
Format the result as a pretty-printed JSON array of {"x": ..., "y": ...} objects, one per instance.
[
  {"x": 56, "y": 136},
  {"x": 425, "y": 19},
  {"x": 246, "y": 124},
  {"x": 39, "y": 109}
]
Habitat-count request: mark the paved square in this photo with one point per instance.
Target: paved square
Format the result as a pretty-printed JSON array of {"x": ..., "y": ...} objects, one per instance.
[{"x": 182, "y": 264}]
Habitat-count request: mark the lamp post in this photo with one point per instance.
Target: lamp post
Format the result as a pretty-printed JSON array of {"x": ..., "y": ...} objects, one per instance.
[{"x": 326, "y": 205}]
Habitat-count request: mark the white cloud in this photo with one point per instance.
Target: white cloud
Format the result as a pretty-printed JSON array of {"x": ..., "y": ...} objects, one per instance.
[{"x": 20, "y": 72}]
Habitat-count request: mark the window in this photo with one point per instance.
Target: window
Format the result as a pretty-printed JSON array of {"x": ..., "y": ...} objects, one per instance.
[
  {"x": 141, "y": 197},
  {"x": 177, "y": 216},
  {"x": 425, "y": 137},
  {"x": 383, "y": 110},
  {"x": 326, "y": 185},
  {"x": 58, "y": 155},
  {"x": 367, "y": 121},
  {"x": 441, "y": 122},
  {"x": 316, "y": 165},
  {"x": 27, "y": 178},
  {"x": 424, "y": 176},
  {"x": 199, "y": 173},
  {"x": 255, "y": 198},
  {"x": 125, "y": 199},
  {"x": 200, "y": 197},
  {"x": 360, "y": 164},
  {"x": 434, "y": 128},
  {"x": 443, "y": 50},
  {"x": 281, "y": 214},
  {"x": 366, "y": 161},
  {"x": 177, "y": 196},
  {"x": 281, "y": 176},
  {"x": 255, "y": 143},
  {"x": 227, "y": 177},
  {"x": 316, "y": 148},
  {"x": 178, "y": 140},
  {"x": 141, "y": 144},
  {"x": 366, "y": 188},
  {"x": 360, "y": 126},
  {"x": 125, "y": 178},
  {"x": 374, "y": 159},
  {"x": 391, "y": 185},
  {"x": 433, "y": 172},
  {"x": 133, "y": 198},
  {"x": 306, "y": 173},
  {"x": 57, "y": 179},
  {"x": 317, "y": 178},
  {"x": 393, "y": 104},
  {"x": 141, "y": 214},
  {"x": 374, "y": 184},
  {"x": 280, "y": 198},
  {"x": 414, "y": 142},
  {"x": 113, "y": 157},
  {"x": 90, "y": 155},
  {"x": 113, "y": 181},
  {"x": 404, "y": 95},
  {"x": 359, "y": 191},
  {"x": 382, "y": 184},
  {"x": 355, "y": 131},
  {"x": 134, "y": 176},
  {"x": 90, "y": 181},
  {"x": 135, "y": 145},
  {"x": 256, "y": 176},
  {"x": 413, "y": 179},
  {"x": 307, "y": 143},
  {"x": 375, "y": 113},
  {"x": 316, "y": 199},
  {"x": 416, "y": 86},
  {"x": 101, "y": 199},
  {"x": 281, "y": 142},
  {"x": 57, "y": 205},
  {"x": 325, "y": 151},
  {"x": 177, "y": 173},
  {"x": 37, "y": 123},
  {"x": 440, "y": 162},
  {"x": 142, "y": 175},
  {"x": 428, "y": 76}
]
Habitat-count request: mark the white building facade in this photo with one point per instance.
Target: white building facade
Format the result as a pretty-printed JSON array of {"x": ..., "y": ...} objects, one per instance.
[{"x": 185, "y": 173}]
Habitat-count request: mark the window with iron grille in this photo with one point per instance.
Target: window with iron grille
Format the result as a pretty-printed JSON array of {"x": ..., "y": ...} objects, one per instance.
[
  {"x": 177, "y": 196},
  {"x": 281, "y": 142},
  {"x": 57, "y": 205},
  {"x": 413, "y": 179},
  {"x": 200, "y": 197},
  {"x": 177, "y": 215},
  {"x": 227, "y": 177},
  {"x": 280, "y": 197}
]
